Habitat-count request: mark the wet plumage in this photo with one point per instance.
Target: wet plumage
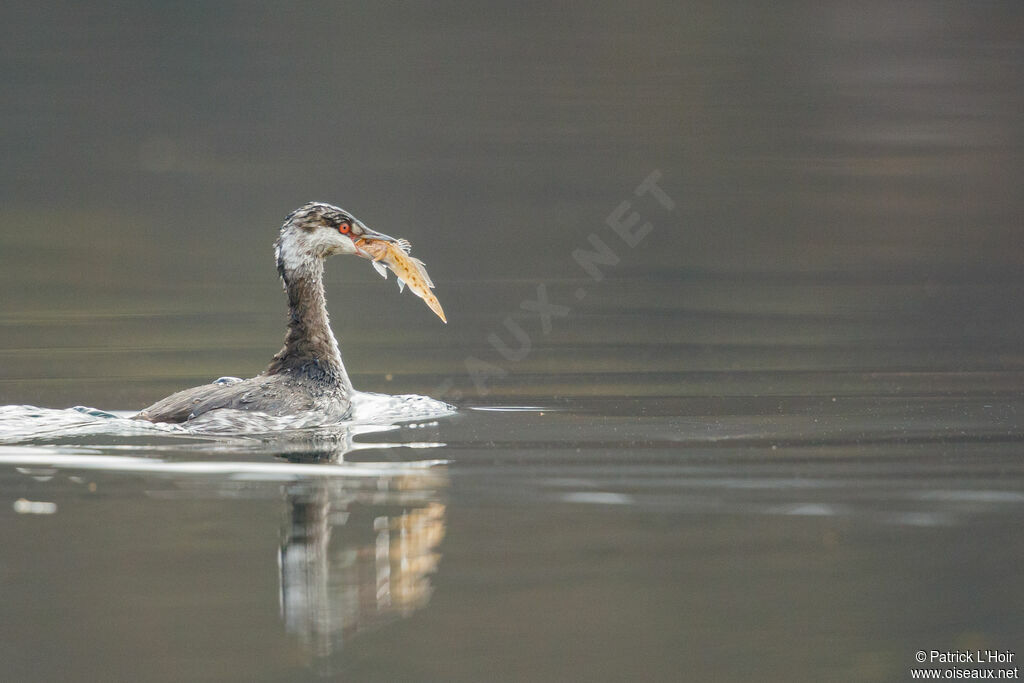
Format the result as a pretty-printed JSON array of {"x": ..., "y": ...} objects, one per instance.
[{"x": 307, "y": 375}]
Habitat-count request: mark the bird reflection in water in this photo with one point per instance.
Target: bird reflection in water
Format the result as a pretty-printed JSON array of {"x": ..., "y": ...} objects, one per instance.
[
  {"x": 358, "y": 554},
  {"x": 360, "y": 540}
]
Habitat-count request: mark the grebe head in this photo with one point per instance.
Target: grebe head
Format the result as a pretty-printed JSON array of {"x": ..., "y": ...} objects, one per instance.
[{"x": 317, "y": 230}]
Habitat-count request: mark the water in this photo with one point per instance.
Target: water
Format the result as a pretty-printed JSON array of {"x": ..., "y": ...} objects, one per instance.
[
  {"x": 778, "y": 438},
  {"x": 571, "y": 524}
]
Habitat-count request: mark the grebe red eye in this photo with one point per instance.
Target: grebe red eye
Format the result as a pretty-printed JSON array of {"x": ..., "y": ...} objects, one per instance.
[{"x": 344, "y": 228}]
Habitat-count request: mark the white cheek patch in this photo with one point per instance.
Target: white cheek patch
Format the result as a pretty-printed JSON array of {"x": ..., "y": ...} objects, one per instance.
[
  {"x": 290, "y": 250},
  {"x": 329, "y": 242},
  {"x": 299, "y": 245},
  {"x": 302, "y": 252}
]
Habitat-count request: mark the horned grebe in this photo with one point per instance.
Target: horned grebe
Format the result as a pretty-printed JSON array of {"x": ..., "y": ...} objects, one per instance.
[{"x": 307, "y": 375}]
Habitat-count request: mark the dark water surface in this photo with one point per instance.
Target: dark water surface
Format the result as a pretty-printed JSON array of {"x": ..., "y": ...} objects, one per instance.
[{"x": 777, "y": 436}]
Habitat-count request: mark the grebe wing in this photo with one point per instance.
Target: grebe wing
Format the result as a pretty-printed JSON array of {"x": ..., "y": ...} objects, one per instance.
[{"x": 265, "y": 393}]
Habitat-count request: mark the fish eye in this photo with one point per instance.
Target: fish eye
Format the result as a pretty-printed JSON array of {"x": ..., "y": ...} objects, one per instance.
[{"x": 344, "y": 227}]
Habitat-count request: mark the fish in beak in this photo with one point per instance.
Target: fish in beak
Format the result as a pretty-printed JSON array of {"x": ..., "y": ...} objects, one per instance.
[
  {"x": 394, "y": 253},
  {"x": 373, "y": 235}
]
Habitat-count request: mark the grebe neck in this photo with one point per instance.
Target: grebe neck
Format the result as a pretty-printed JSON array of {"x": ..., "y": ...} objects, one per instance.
[{"x": 310, "y": 347}]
